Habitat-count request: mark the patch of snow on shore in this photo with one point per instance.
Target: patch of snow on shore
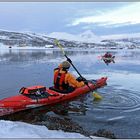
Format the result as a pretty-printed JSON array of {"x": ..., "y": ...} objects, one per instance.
[{"x": 12, "y": 129}]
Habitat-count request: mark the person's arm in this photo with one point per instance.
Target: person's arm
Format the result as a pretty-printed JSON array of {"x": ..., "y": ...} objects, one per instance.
[{"x": 71, "y": 80}]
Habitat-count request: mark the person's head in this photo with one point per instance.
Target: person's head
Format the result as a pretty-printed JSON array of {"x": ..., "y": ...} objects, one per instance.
[{"x": 65, "y": 65}]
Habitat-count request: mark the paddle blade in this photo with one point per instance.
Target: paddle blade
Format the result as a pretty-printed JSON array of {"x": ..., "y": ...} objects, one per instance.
[
  {"x": 59, "y": 45},
  {"x": 97, "y": 96}
]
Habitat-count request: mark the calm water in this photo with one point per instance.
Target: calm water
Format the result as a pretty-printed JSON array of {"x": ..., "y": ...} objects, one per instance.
[{"x": 119, "y": 110}]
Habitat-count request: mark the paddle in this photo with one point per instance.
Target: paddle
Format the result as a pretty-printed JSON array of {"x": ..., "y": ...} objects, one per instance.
[{"x": 96, "y": 96}]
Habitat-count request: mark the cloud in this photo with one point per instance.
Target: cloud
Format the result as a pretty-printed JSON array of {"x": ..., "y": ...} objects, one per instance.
[{"x": 125, "y": 15}]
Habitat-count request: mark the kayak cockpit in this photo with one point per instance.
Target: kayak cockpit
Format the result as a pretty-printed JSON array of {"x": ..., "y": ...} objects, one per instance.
[{"x": 70, "y": 89}]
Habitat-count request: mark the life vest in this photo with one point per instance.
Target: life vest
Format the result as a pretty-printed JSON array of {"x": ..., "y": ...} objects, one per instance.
[
  {"x": 59, "y": 79},
  {"x": 107, "y": 55}
]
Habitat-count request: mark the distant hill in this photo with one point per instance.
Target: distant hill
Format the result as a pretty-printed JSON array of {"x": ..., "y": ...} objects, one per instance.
[
  {"x": 84, "y": 40},
  {"x": 86, "y": 37}
]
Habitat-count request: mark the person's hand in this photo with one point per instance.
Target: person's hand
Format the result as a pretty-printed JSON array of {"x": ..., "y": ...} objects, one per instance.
[
  {"x": 81, "y": 79},
  {"x": 69, "y": 60},
  {"x": 86, "y": 82}
]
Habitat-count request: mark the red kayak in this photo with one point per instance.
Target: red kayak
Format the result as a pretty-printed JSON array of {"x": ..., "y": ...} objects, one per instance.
[{"x": 35, "y": 96}]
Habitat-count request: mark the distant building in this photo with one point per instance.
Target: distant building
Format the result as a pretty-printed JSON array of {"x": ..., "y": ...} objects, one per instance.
[{"x": 49, "y": 46}]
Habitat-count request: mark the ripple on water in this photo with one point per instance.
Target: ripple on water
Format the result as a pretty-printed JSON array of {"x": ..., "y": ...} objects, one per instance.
[{"x": 120, "y": 99}]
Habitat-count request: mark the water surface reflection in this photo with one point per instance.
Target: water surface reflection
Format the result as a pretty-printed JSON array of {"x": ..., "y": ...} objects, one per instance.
[{"x": 119, "y": 109}]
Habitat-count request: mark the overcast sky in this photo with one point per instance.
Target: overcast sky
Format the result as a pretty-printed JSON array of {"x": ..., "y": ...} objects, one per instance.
[{"x": 71, "y": 17}]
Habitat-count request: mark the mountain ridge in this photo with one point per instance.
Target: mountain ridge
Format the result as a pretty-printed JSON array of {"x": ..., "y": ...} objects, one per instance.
[{"x": 86, "y": 39}]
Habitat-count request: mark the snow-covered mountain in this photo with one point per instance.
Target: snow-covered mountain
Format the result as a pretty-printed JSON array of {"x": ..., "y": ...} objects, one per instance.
[
  {"x": 130, "y": 41},
  {"x": 15, "y": 38},
  {"x": 121, "y": 36},
  {"x": 89, "y": 36},
  {"x": 86, "y": 37},
  {"x": 84, "y": 40},
  {"x": 62, "y": 35}
]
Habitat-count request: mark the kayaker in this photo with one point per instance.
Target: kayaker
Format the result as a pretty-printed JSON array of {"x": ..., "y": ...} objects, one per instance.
[
  {"x": 107, "y": 55},
  {"x": 107, "y": 58},
  {"x": 65, "y": 81}
]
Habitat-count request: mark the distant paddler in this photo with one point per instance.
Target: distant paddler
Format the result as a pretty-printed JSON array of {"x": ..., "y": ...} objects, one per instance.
[{"x": 108, "y": 58}]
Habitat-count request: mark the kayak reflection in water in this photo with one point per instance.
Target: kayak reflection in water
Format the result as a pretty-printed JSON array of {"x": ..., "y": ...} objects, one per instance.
[
  {"x": 65, "y": 81},
  {"x": 108, "y": 58}
]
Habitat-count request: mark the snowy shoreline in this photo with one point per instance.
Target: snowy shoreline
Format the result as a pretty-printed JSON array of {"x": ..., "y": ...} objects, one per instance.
[
  {"x": 16, "y": 129},
  {"x": 66, "y": 48}
]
